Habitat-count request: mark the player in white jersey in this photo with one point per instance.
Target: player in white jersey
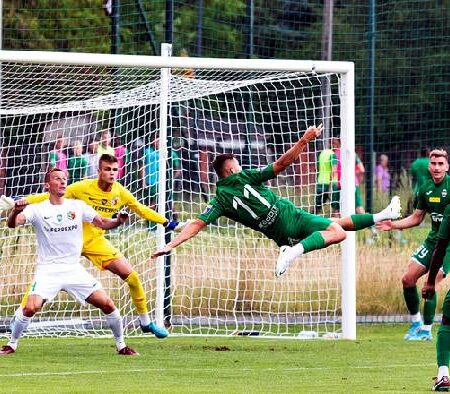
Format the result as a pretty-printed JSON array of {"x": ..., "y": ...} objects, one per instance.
[{"x": 58, "y": 223}]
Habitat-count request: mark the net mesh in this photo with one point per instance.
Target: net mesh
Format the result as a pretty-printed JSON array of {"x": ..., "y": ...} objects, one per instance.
[{"x": 222, "y": 281}]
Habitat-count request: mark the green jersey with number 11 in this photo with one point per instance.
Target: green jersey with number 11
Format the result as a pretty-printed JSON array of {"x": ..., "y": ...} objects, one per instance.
[{"x": 244, "y": 198}]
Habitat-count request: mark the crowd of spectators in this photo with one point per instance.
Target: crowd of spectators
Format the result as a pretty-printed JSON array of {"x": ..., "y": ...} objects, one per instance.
[{"x": 138, "y": 164}]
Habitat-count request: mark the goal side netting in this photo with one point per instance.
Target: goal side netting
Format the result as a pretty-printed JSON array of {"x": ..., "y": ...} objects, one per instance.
[{"x": 166, "y": 125}]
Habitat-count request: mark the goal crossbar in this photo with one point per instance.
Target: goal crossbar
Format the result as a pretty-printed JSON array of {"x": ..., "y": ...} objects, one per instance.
[{"x": 95, "y": 59}]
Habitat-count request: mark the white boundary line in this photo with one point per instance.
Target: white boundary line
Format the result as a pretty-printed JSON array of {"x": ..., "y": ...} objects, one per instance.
[{"x": 121, "y": 371}]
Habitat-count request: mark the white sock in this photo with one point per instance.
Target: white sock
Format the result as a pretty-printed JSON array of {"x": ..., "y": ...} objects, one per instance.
[
  {"x": 415, "y": 318},
  {"x": 21, "y": 323},
  {"x": 114, "y": 321},
  {"x": 442, "y": 371},
  {"x": 144, "y": 319},
  {"x": 296, "y": 251},
  {"x": 426, "y": 327}
]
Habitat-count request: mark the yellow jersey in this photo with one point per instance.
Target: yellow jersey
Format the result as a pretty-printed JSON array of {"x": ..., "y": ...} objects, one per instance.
[{"x": 106, "y": 204}]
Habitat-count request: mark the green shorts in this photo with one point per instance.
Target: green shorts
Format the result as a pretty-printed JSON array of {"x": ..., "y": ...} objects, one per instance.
[
  {"x": 424, "y": 252},
  {"x": 294, "y": 224}
]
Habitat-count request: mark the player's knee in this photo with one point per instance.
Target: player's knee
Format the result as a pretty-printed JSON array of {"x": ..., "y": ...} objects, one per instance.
[
  {"x": 108, "y": 306},
  {"x": 408, "y": 280},
  {"x": 338, "y": 232}
]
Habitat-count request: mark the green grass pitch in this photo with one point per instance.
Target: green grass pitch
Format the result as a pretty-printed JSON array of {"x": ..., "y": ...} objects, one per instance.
[{"x": 379, "y": 361}]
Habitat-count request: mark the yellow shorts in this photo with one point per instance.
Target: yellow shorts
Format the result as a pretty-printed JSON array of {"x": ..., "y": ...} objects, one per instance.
[{"x": 100, "y": 252}]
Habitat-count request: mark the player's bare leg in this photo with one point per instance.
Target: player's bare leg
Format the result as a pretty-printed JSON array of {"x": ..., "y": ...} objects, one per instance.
[
  {"x": 122, "y": 268},
  {"x": 101, "y": 300}
]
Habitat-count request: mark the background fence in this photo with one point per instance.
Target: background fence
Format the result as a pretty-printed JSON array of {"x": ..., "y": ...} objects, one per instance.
[{"x": 400, "y": 49}]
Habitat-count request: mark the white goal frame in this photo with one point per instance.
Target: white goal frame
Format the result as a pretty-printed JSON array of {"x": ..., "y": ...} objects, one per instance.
[{"x": 165, "y": 64}]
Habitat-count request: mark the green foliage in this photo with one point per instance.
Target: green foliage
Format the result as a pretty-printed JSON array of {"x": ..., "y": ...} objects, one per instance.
[{"x": 412, "y": 56}]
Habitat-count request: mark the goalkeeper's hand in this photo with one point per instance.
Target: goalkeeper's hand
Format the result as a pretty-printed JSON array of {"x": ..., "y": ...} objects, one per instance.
[
  {"x": 122, "y": 216},
  {"x": 6, "y": 203},
  {"x": 176, "y": 226}
]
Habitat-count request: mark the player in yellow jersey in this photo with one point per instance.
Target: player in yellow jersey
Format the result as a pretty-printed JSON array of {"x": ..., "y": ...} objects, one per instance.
[{"x": 107, "y": 197}]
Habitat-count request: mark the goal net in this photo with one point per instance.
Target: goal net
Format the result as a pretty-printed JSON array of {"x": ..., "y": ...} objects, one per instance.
[{"x": 167, "y": 119}]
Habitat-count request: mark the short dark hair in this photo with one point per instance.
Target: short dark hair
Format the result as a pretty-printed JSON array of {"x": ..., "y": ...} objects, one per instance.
[
  {"x": 106, "y": 157},
  {"x": 219, "y": 161},
  {"x": 49, "y": 172}
]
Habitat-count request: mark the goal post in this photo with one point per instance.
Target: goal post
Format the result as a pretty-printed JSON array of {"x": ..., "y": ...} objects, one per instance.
[{"x": 222, "y": 281}]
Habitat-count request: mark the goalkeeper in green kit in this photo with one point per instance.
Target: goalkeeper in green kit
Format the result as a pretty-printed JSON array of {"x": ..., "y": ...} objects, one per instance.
[{"x": 242, "y": 196}]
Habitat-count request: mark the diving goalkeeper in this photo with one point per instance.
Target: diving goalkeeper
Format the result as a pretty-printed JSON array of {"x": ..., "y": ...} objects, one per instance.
[
  {"x": 107, "y": 197},
  {"x": 242, "y": 196}
]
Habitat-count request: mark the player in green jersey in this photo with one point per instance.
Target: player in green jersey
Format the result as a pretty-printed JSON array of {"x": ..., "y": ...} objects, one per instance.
[
  {"x": 327, "y": 178},
  {"x": 441, "y": 256},
  {"x": 242, "y": 196},
  {"x": 432, "y": 198},
  {"x": 419, "y": 175},
  {"x": 419, "y": 170}
]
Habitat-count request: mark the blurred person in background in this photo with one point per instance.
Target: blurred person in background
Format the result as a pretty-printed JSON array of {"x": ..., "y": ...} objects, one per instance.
[
  {"x": 77, "y": 163},
  {"x": 382, "y": 175},
  {"x": 420, "y": 174},
  {"x": 120, "y": 151},
  {"x": 104, "y": 147},
  {"x": 92, "y": 160},
  {"x": 57, "y": 158},
  {"x": 327, "y": 178}
]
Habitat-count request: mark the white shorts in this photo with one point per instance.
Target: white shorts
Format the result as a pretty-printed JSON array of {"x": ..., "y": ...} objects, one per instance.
[{"x": 72, "y": 278}]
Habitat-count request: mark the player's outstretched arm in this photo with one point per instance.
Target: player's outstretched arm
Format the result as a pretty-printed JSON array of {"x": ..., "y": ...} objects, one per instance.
[
  {"x": 16, "y": 218},
  {"x": 141, "y": 210},
  {"x": 190, "y": 231},
  {"x": 410, "y": 221},
  {"x": 437, "y": 260},
  {"x": 107, "y": 223},
  {"x": 287, "y": 158}
]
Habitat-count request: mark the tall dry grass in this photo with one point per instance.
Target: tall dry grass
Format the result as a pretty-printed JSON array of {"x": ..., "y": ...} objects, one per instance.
[{"x": 229, "y": 272}]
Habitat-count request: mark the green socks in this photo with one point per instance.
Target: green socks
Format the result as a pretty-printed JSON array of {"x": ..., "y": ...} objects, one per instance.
[
  {"x": 412, "y": 299},
  {"x": 362, "y": 220},
  {"x": 313, "y": 242},
  {"x": 429, "y": 310},
  {"x": 443, "y": 345}
]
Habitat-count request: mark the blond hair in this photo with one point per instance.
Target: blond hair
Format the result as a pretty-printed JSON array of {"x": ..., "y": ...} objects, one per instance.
[{"x": 439, "y": 153}]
